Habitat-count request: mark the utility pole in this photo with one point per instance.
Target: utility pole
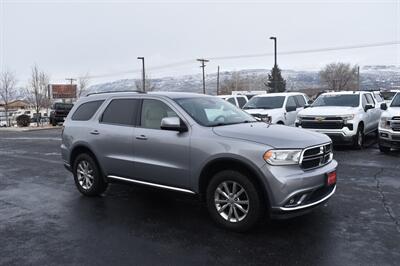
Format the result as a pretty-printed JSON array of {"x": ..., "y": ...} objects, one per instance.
[
  {"x": 218, "y": 81},
  {"x": 358, "y": 77},
  {"x": 71, "y": 80},
  {"x": 275, "y": 63},
  {"x": 204, "y": 77},
  {"x": 143, "y": 74}
]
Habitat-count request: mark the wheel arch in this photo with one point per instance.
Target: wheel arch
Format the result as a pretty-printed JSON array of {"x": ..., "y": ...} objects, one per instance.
[
  {"x": 219, "y": 164},
  {"x": 82, "y": 148}
]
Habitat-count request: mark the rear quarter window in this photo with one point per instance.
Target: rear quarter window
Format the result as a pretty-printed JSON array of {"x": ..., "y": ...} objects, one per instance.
[{"x": 86, "y": 110}]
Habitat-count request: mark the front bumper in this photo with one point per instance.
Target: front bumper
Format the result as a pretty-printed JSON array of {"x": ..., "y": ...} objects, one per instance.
[
  {"x": 344, "y": 135},
  {"x": 389, "y": 138},
  {"x": 307, "y": 189}
]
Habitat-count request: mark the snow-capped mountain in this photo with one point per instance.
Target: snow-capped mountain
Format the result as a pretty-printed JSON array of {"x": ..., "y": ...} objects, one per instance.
[{"x": 372, "y": 77}]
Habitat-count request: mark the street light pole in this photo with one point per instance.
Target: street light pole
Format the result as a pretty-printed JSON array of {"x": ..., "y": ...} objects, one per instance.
[
  {"x": 275, "y": 63},
  {"x": 143, "y": 74},
  {"x": 275, "y": 49}
]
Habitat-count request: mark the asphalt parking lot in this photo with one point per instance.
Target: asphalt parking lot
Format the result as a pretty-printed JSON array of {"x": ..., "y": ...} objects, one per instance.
[{"x": 44, "y": 219}]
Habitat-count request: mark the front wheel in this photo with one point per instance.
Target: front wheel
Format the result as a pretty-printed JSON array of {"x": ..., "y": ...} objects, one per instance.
[
  {"x": 233, "y": 201},
  {"x": 359, "y": 138},
  {"x": 87, "y": 176}
]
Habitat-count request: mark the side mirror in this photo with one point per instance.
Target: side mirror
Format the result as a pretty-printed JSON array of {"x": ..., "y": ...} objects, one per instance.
[
  {"x": 383, "y": 106},
  {"x": 173, "y": 124},
  {"x": 291, "y": 108},
  {"x": 310, "y": 102},
  {"x": 368, "y": 106}
]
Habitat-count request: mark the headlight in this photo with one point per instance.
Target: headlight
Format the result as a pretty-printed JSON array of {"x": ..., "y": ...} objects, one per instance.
[
  {"x": 282, "y": 157},
  {"x": 348, "y": 117},
  {"x": 384, "y": 123}
]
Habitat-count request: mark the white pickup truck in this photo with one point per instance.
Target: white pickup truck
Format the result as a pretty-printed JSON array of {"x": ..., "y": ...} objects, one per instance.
[
  {"x": 389, "y": 126},
  {"x": 346, "y": 117},
  {"x": 277, "y": 108}
]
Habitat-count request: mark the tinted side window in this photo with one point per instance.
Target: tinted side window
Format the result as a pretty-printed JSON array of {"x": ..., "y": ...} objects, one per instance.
[
  {"x": 231, "y": 100},
  {"x": 241, "y": 101},
  {"x": 153, "y": 111},
  {"x": 300, "y": 100},
  {"x": 86, "y": 111},
  {"x": 378, "y": 98},
  {"x": 370, "y": 99},
  {"x": 364, "y": 101},
  {"x": 291, "y": 102},
  {"x": 121, "y": 112}
]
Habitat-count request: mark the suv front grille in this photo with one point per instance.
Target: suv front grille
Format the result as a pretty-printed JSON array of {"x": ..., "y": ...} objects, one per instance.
[
  {"x": 316, "y": 156},
  {"x": 330, "y": 122},
  {"x": 395, "y": 123}
]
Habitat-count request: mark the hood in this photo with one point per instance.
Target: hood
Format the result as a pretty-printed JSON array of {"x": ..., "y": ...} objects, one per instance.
[
  {"x": 391, "y": 111},
  {"x": 276, "y": 136},
  {"x": 328, "y": 111}
]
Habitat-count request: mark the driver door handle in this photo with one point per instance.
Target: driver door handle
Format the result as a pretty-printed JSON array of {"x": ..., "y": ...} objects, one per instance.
[
  {"x": 141, "y": 137},
  {"x": 94, "y": 132}
]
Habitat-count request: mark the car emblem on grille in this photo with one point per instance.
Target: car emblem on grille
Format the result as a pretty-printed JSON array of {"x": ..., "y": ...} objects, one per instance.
[{"x": 319, "y": 118}]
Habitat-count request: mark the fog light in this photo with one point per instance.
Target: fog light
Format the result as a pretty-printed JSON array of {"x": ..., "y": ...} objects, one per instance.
[{"x": 384, "y": 135}]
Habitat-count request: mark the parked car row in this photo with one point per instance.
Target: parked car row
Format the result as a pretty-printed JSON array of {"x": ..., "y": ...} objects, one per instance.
[{"x": 346, "y": 117}]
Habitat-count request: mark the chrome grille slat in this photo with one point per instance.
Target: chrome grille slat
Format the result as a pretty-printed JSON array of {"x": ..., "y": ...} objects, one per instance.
[{"x": 316, "y": 156}]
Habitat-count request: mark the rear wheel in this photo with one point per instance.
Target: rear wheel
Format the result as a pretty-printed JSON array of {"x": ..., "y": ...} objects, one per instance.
[
  {"x": 87, "y": 175},
  {"x": 233, "y": 201},
  {"x": 359, "y": 138}
]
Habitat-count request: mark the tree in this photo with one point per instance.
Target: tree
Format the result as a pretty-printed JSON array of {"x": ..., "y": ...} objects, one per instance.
[
  {"x": 83, "y": 84},
  {"x": 276, "y": 83},
  {"x": 150, "y": 86},
  {"x": 37, "y": 90},
  {"x": 339, "y": 76},
  {"x": 7, "y": 90},
  {"x": 234, "y": 83}
]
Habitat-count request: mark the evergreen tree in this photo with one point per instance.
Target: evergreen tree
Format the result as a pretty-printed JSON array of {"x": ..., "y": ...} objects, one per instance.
[{"x": 276, "y": 83}]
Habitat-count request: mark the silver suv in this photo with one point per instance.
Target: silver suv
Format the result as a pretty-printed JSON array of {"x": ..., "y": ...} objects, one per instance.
[{"x": 201, "y": 145}]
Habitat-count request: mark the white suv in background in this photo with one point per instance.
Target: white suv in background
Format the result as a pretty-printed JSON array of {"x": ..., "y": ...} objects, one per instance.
[
  {"x": 238, "y": 100},
  {"x": 344, "y": 116},
  {"x": 389, "y": 126},
  {"x": 277, "y": 108}
]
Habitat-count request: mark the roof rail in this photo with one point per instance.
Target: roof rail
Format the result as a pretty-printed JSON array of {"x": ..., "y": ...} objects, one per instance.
[{"x": 101, "y": 92}]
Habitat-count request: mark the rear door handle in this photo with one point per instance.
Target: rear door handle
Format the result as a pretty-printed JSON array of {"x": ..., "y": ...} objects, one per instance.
[
  {"x": 94, "y": 132},
  {"x": 141, "y": 137}
]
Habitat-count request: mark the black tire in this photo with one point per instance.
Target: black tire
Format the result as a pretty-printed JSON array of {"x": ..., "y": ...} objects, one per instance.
[
  {"x": 255, "y": 207},
  {"x": 97, "y": 184},
  {"x": 358, "y": 141},
  {"x": 384, "y": 149},
  {"x": 280, "y": 123}
]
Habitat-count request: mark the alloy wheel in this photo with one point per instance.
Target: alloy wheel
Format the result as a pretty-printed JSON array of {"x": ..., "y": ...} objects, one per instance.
[
  {"x": 231, "y": 201},
  {"x": 85, "y": 174}
]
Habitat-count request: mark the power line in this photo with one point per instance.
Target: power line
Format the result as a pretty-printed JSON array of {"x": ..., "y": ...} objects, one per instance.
[{"x": 306, "y": 51}]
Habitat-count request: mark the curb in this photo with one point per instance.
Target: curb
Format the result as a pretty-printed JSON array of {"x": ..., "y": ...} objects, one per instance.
[{"x": 28, "y": 129}]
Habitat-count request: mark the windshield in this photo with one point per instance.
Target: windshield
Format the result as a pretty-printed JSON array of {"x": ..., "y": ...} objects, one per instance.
[
  {"x": 212, "y": 111},
  {"x": 347, "y": 100},
  {"x": 396, "y": 101},
  {"x": 272, "y": 102},
  {"x": 388, "y": 95}
]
